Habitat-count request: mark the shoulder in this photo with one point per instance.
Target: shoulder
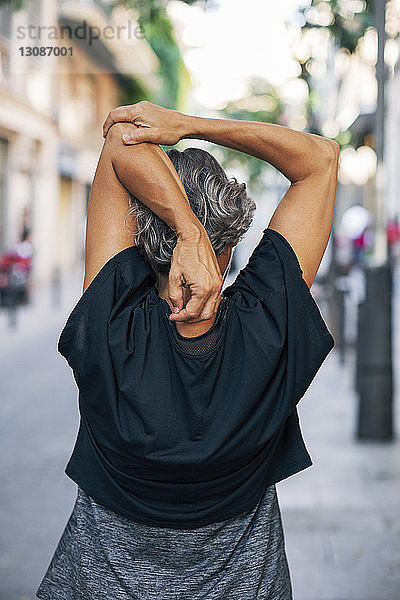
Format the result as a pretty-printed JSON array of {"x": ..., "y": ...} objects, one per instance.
[
  {"x": 122, "y": 278},
  {"x": 271, "y": 265}
]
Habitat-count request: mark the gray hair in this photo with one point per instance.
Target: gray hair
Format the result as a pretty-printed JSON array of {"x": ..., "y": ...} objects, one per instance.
[{"x": 221, "y": 205}]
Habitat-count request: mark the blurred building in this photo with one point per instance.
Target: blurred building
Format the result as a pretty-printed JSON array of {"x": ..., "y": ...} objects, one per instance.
[
  {"x": 51, "y": 110},
  {"x": 392, "y": 138},
  {"x": 346, "y": 86}
]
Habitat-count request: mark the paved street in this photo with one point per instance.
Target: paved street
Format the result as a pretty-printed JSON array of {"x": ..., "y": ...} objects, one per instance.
[
  {"x": 341, "y": 516},
  {"x": 39, "y": 420}
]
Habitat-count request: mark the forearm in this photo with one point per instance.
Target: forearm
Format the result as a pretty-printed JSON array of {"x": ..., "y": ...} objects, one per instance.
[
  {"x": 148, "y": 174},
  {"x": 296, "y": 154}
]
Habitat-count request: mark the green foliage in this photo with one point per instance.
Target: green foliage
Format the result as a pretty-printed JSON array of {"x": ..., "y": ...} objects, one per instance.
[
  {"x": 14, "y": 4},
  {"x": 347, "y": 27},
  {"x": 131, "y": 90},
  {"x": 262, "y": 104},
  {"x": 158, "y": 32}
]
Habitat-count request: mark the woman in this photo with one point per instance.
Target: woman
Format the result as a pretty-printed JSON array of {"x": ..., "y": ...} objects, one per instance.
[{"x": 188, "y": 397}]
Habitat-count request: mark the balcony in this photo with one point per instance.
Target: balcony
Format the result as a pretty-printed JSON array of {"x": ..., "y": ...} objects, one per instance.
[
  {"x": 87, "y": 5},
  {"x": 115, "y": 45}
]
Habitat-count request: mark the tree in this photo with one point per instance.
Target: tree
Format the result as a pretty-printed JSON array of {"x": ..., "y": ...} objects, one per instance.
[
  {"x": 347, "y": 21},
  {"x": 262, "y": 104},
  {"x": 157, "y": 30}
]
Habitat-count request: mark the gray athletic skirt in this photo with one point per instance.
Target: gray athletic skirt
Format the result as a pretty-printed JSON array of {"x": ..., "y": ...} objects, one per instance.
[{"x": 102, "y": 555}]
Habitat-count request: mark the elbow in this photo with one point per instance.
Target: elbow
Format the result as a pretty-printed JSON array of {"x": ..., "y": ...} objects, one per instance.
[
  {"x": 323, "y": 156},
  {"x": 114, "y": 137},
  {"x": 330, "y": 152},
  {"x": 123, "y": 156}
]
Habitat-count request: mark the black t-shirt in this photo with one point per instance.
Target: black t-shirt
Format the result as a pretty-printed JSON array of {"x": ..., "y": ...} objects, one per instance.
[{"x": 182, "y": 432}]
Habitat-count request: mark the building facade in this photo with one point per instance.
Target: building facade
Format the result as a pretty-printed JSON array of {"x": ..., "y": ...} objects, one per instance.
[{"x": 51, "y": 110}]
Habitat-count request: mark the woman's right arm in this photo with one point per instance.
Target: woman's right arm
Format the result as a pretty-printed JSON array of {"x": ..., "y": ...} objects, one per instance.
[
  {"x": 305, "y": 213},
  {"x": 296, "y": 154}
]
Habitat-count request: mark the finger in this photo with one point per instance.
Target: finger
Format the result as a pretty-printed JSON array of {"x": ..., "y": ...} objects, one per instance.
[
  {"x": 142, "y": 134},
  {"x": 119, "y": 114},
  {"x": 192, "y": 310},
  {"x": 175, "y": 294},
  {"x": 204, "y": 316},
  {"x": 210, "y": 307},
  {"x": 113, "y": 117}
]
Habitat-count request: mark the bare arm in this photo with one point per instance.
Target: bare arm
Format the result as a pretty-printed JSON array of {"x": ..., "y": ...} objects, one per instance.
[
  {"x": 146, "y": 175},
  {"x": 146, "y": 172},
  {"x": 296, "y": 154},
  {"x": 310, "y": 162},
  {"x": 305, "y": 213}
]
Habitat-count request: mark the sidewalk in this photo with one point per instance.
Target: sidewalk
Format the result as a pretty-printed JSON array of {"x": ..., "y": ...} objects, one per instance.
[
  {"x": 342, "y": 515},
  {"x": 41, "y": 313}
]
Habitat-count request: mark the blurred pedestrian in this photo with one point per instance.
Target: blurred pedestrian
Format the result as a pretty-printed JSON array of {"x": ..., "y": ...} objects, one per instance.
[
  {"x": 358, "y": 244},
  {"x": 393, "y": 238}
]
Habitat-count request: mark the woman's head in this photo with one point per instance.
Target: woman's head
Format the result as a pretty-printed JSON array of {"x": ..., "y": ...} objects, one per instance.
[{"x": 221, "y": 205}]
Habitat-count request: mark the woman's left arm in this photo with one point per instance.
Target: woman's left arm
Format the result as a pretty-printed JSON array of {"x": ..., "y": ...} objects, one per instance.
[{"x": 146, "y": 172}]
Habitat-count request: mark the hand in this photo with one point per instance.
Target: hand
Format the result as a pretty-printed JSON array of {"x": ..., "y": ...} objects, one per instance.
[
  {"x": 155, "y": 123},
  {"x": 195, "y": 266}
]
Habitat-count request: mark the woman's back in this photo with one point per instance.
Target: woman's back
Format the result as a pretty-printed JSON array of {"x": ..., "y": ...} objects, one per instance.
[{"x": 184, "y": 432}]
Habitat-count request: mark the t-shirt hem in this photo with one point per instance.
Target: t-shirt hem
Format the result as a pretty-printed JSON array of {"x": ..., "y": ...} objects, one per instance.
[
  {"x": 155, "y": 522},
  {"x": 289, "y": 469}
]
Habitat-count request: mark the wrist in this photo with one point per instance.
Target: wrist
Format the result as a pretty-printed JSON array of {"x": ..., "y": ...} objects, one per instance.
[
  {"x": 193, "y": 127},
  {"x": 192, "y": 231}
]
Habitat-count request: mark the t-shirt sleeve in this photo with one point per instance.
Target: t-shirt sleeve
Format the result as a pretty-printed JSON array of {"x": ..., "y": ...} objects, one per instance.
[
  {"x": 273, "y": 277},
  {"x": 120, "y": 283},
  {"x": 263, "y": 271}
]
